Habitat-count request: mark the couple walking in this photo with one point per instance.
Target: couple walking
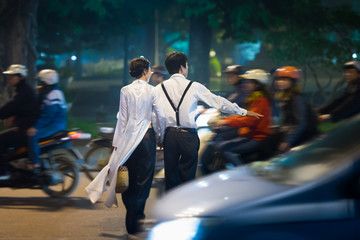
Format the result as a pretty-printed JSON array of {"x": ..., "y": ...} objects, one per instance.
[{"x": 164, "y": 114}]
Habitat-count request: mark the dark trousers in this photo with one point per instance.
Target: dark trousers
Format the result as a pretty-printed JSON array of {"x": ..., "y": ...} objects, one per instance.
[
  {"x": 230, "y": 151},
  {"x": 208, "y": 158},
  {"x": 141, "y": 165},
  {"x": 212, "y": 150},
  {"x": 180, "y": 156},
  {"x": 233, "y": 150},
  {"x": 12, "y": 137},
  {"x": 33, "y": 141}
]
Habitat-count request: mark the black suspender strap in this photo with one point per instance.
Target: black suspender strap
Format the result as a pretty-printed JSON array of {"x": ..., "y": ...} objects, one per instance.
[
  {"x": 176, "y": 110},
  {"x": 168, "y": 98},
  {"x": 182, "y": 97}
]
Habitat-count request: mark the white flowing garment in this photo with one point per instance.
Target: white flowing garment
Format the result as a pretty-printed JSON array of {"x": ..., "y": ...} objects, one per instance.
[{"x": 137, "y": 102}]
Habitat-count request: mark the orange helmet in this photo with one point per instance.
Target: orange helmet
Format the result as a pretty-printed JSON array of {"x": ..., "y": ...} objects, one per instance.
[{"x": 287, "y": 72}]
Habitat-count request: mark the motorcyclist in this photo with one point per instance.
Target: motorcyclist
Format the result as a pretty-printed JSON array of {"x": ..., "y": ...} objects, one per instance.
[
  {"x": 348, "y": 104},
  {"x": 233, "y": 77},
  {"x": 53, "y": 113},
  {"x": 21, "y": 111},
  {"x": 250, "y": 131},
  {"x": 159, "y": 74},
  {"x": 297, "y": 120}
]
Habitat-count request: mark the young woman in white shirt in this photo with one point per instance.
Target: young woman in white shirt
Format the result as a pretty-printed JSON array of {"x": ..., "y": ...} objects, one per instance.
[{"x": 134, "y": 146}]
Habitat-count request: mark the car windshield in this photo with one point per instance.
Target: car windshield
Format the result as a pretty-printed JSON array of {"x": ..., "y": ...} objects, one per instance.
[{"x": 316, "y": 159}]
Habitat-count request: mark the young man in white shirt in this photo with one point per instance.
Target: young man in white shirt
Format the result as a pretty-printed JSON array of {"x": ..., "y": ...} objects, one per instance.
[{"x": 179, "y": 97}]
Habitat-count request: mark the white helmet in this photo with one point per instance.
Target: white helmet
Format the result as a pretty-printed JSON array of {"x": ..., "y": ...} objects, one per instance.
[
  {"x": 48, "y": 76},
  {"x": 257, "y": 74},
  {"x": 352, "y": 64},
  {"x": 16, "y": 69}
]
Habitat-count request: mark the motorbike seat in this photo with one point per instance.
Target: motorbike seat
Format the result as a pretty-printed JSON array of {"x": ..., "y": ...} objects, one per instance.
[
  {"x": 43, "y": 142},
  {"x": 57, "y": 135}
]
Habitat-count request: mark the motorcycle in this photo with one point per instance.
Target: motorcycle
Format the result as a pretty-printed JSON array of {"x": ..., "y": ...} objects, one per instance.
[
  {"x": 217, "y": 136},
  {"x": 58, "y": 175},
  {"x": 97, "y": 157}
]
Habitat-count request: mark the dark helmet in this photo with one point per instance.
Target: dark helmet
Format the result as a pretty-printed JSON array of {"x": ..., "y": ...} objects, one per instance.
[
  {"x": 235, "y": 69},
  {"x": 159, "y": 69},
  {"x": 352, "y": 64}
]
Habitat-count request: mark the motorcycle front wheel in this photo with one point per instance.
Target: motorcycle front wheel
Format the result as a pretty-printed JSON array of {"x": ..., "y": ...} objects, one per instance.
[
  {"x": 62, "y": 179},
  {"x": 96, "y": 159}
]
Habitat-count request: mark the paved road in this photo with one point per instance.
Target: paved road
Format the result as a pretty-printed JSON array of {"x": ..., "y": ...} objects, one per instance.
[{"x": 32, "y": 215}]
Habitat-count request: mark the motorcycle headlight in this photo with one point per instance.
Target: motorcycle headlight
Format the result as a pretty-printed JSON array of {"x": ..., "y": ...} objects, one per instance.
[{"x": 179, "y": 229}]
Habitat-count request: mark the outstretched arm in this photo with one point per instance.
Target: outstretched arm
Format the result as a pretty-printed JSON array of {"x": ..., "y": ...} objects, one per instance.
[{"x": 254, "y": 114}]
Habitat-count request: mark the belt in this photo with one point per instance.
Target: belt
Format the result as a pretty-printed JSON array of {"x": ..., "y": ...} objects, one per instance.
[{"x": 180, "y": 129}]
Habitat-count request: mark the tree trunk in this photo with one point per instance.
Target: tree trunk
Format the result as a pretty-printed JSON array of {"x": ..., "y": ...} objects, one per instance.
[
  {"x": 18, "y": 27},
  {"x": 78, "y": 64},
  {"x": 149, "y": 51},
  {"x": 126, "y": 43},
  {"x": 199, "y": 48}
]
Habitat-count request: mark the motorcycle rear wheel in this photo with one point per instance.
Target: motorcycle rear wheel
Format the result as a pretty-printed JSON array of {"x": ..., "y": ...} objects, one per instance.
[
  {"x": 70, "y": 174},
  {"x": 95, "y": 159}
]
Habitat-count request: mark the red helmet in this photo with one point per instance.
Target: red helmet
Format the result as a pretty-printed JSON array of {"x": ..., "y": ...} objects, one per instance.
[{"x": 287, "y": 72}]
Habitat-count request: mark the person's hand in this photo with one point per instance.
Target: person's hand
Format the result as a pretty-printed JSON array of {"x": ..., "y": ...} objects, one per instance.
[
  {"x": 220, "y": 123},
  {"x": 31, "y": 132},
  {"x": 284, "y": 146},
  {"x": 254, "y": 114},
  {"x": 9, "y": 121},
  {"x": 324, "y": 117},
  {"x": 160, "y": 145}
]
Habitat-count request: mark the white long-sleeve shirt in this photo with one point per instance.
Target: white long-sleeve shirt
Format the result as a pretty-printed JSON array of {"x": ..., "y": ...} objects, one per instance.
[
  {"x": 175, "y": 87},
  {"x": 137, "y": 102}
]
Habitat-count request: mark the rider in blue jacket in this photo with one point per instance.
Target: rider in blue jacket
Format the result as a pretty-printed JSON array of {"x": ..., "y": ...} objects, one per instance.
[{"x": 53, "y": 113}]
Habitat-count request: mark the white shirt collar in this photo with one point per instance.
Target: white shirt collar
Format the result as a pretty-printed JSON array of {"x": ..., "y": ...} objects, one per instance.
[
  {"x": 139, "y": 81},
  {"x": 176, "y": 75}
]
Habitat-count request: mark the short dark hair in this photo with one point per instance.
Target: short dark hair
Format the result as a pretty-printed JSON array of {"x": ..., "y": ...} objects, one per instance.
[
  {"x": 137, "y": 67},
  {"x": 174, "y": 61}
]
